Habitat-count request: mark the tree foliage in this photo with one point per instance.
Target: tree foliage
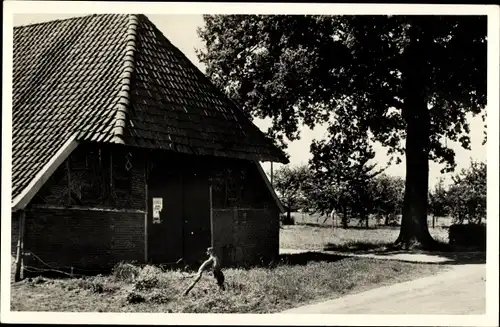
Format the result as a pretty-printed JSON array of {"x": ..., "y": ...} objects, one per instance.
[
  {"x": 403, "y": 79},
  {"x": 301, "y": 69},
  {"x": 438, "y": 200},
  {"x": 388, "y": 197},
  {"x": 342, "y": 165},
  {"x": 291, "y": 185},
  {"x": 466, "y": 197}
]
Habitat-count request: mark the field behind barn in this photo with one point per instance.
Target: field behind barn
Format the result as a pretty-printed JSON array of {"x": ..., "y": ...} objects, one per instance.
[{"x": 315, "y": 232}]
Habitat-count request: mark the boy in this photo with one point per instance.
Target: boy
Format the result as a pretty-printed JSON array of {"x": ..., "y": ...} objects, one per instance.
[{"x": 216, "y": 269}]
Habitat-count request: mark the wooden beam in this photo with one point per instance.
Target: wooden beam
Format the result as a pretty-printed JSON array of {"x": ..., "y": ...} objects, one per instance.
[
  {"x": 23, "y": 199},
  {"x": 270, "y": 187},
  {"x": 84, "y": 208}
]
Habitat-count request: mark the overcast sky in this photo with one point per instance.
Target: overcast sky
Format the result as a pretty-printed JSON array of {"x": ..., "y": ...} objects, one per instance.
[{"x": 181, "y": 31}]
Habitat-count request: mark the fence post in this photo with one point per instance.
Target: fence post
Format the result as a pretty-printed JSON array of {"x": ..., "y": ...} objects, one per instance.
[{"x": 19, "y": 272}]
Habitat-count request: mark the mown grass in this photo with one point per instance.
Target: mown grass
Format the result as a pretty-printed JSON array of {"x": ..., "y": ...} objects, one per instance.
[
  {"x": 297, "y": 280},
  {"x": 341, "y": 239}
]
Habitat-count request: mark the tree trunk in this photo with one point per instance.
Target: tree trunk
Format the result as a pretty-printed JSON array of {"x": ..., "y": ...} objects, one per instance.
[
  {"x": 344, "y": 217},
  {"x": 414, "y": 229},
  {"x": 288, "y": 219}
]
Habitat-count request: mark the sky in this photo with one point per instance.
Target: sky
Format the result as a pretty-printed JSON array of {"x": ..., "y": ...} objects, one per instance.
[{"x": 180, "y": 29}]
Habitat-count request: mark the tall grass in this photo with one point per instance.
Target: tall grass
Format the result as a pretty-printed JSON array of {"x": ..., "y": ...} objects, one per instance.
[{"x": 255, "y": 290}]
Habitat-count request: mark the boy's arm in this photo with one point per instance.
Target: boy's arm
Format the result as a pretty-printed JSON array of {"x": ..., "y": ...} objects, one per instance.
[{"x": 205, "y": 265}]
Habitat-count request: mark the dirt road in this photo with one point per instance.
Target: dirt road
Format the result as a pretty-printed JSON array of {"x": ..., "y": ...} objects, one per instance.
[{"x": 461, "y": 290}]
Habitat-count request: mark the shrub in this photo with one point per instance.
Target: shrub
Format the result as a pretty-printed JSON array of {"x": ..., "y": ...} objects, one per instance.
[
  {"x": 125, "y": 272},
  {"x": 94, "y": 286},
  {"x": 469, "y": 235},
  {"x": 148, "y": 278},
  {"x": 97, "y": 284}
]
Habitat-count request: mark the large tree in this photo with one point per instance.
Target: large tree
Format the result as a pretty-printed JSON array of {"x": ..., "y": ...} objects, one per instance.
[{"x": 409, "y": 80}]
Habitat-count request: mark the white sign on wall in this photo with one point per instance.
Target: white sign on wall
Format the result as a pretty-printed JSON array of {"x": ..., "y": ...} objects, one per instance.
[{"x": 157, "y": 207}]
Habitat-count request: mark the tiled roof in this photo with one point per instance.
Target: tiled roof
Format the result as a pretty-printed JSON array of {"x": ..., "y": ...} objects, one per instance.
[{"x": 117, "y": 79}]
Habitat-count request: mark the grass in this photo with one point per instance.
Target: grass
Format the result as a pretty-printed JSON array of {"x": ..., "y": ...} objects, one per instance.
[
  {"x": 341, "y": 239},
  {"x": 298, "y": 279},
  {"x": 302, "y": 218}
]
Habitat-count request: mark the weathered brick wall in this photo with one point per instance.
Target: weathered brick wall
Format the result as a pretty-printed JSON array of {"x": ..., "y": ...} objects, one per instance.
[
  {"x": 256, "y": 235},
  {"x": 246, "y": 236},
  {"x": 83, "y": 239},
  {"x": 245, "y": 215},
  {"x": 223, "y": 235}
]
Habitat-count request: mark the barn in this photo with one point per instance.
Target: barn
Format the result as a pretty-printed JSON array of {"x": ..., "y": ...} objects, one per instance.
[{"x": 122, "y": 150}]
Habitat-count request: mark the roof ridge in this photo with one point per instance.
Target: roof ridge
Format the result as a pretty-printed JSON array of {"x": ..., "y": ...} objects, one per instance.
[{"x": 126, "y": 80}]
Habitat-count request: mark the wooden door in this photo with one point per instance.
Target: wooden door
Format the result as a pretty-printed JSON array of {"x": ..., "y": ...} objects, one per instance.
[
  {"x": 165, "y": 244},
  {"x": 196, "y": 217}
]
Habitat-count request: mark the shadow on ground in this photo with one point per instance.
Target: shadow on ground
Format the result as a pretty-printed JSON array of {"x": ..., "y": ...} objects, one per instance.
[
  {"x": 354, "y": 227},
  {"x": 455, "y": 255},
  {"x": 357, "y": 247},
  {"x": 305, "y": 257}
]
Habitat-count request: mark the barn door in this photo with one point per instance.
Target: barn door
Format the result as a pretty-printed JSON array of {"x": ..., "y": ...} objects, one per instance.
[
  {"x": 165, "y": 243},
  {"x": 196, "y": 217}
]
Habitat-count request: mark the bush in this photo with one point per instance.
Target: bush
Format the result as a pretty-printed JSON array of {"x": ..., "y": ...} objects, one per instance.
[
  {"x": 148, "y": 278},
  {"x": 97, "y": 284},
  {"x": 125, "y": 272},
  {"x": 469, "y": 235}
]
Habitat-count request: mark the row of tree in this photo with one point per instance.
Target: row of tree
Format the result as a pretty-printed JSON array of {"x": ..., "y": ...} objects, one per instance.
[{"x": 361, "y": 191}]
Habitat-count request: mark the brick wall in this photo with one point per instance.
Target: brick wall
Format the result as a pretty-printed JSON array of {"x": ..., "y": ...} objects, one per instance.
[
  {"x": 83, "y": 239},
  {"x": 246, "y": 222},
  {"x": 246, "y": 236}
]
